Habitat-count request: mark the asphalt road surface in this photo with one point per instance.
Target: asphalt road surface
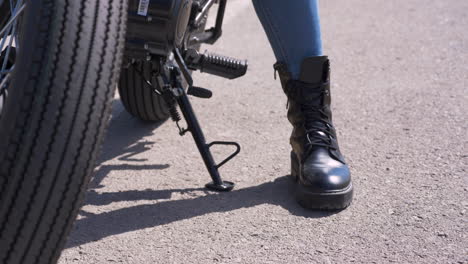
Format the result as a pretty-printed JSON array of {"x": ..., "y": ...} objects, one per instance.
[{"x": 399, "y": 73}]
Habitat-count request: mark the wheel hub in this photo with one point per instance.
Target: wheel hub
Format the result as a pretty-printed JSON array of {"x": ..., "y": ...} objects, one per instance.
[
  {"x": 10, "y": 13},
  {"x": 10, "y": 61}
]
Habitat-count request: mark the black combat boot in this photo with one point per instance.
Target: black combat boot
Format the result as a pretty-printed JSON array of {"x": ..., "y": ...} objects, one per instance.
[{"x": 323, "y": 178}]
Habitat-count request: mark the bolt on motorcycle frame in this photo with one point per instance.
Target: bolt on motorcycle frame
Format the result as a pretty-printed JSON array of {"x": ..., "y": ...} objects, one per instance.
[{"x": 165, "y": 32}]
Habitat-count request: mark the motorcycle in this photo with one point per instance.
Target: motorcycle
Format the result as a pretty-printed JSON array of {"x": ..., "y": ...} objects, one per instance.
[{"x": 60, "y": 61}]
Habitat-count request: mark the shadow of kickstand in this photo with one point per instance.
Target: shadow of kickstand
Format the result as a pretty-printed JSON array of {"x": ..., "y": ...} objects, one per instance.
[{"x": 92, "y": 227}]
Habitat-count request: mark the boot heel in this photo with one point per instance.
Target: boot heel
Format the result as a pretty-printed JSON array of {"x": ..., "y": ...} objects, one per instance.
[{"x": 294, "y": 166}]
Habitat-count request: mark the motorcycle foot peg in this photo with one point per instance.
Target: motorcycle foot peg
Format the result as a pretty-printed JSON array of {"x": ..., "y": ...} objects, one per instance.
[
  {"x": 215, "y": 64},
  {"x": 225, "y": 186}
]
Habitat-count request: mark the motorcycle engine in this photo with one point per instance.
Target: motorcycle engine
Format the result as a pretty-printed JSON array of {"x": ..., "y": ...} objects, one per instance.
[{"x": 156, "y": 27}]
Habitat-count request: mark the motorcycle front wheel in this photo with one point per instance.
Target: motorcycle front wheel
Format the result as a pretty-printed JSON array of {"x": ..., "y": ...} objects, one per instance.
[{"x": 60, "y": 61}]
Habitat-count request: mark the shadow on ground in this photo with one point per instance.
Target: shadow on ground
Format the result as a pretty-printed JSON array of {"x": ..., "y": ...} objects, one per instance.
[
  {"x": 125, "y": 143},
  {"x": 124, "y": 140},
  {"x": 93, "y": 227}
]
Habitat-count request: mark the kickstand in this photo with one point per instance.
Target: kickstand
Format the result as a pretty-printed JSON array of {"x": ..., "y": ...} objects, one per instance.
[{"x": 178, "y": 94}]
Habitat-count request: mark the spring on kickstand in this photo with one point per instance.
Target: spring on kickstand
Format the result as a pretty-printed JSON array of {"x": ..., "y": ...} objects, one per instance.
[
  {"x": 171, "y": 104},
  {"x": 175, "y": 115},
  {"x": 173, "y": 111}
]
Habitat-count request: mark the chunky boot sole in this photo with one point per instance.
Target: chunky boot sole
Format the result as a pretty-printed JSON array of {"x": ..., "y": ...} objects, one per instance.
[{"x": 336, "y": 200}]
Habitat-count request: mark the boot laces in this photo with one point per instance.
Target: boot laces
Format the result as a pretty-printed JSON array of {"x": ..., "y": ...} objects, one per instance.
[{"x": 317, "y": 124}]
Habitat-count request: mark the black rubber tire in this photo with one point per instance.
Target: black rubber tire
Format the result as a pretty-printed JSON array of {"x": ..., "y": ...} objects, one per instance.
[
  {"x": 54, "y": 120},
  {"x": 137, "y": 95}
]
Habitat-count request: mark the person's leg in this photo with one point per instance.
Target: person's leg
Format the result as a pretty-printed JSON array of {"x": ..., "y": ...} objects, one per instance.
[
  {"x": 323, "y": 180},
  {"x": 293, "y": 29}
]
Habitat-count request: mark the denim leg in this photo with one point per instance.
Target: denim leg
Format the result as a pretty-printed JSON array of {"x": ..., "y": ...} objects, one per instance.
[{"x": 293, "y": 29}]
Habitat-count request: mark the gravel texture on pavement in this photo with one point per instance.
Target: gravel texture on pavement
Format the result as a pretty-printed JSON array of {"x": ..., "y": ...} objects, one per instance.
[{"x": 399, "y": 87}]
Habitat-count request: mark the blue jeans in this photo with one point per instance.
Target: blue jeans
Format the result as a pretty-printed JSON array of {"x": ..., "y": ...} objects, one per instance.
[{"x": 293, "y": 29}]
